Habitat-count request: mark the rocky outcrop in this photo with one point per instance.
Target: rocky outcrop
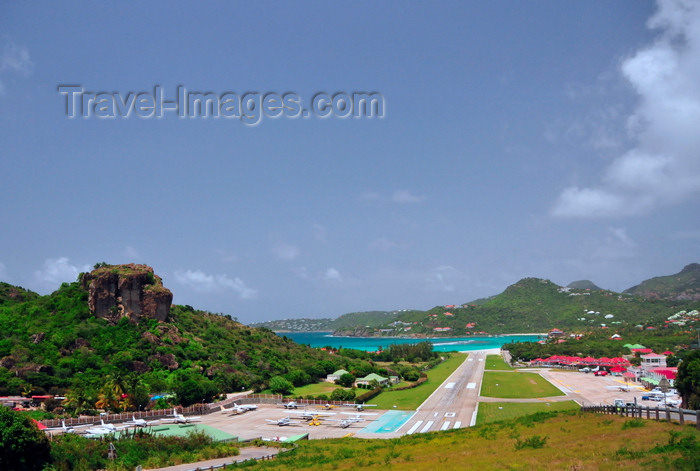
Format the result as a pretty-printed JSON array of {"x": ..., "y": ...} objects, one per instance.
[{"x": 133, "y": 291}]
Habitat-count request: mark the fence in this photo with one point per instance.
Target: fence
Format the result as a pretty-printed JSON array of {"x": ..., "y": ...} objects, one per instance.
[{"x": 652, "y": 413}]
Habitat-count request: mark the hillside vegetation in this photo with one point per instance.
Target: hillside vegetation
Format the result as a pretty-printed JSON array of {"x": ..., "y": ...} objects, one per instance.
[
  {"x": 544, "y": 441},
  {"x": 534, "y": 305},
  {"x": 351, "y": 322},
  {"x": 53, "y": 344},
  {"x": 681, "y": 286}
]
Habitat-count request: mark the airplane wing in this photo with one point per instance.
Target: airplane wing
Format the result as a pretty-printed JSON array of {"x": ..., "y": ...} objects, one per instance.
[{"x": 312, "y": 413}]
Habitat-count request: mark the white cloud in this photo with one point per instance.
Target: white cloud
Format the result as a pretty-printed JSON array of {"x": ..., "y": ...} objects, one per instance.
[
  {"x": 57, "y": 271},
  {"x": 405, "y": 196},
  {"x": 16, "y": 58},
  {"x": 320, "y": 232},
  {"x": 200, "y": 281},
  {"x": 287, "y": 252},
  {"x": 131, "y": 253},
  {"x": 663, "y": 167},
  {"x": 444, "y": 278},
  {"x": 333, "y": 274},
  {"x": 383, "y": 244}
]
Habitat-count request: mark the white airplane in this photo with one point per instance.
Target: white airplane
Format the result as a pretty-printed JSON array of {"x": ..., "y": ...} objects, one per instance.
[
  {"x": 141, "y": 422},
  {"x": 622, "y": 388},
  {"x": 360, "y": 407},
  {"x": 238, "y": 409},
  {"x": 290, "y": 405},
  {"x": 64, "y": 428},
  {"x": 104, "y": 429},
  {"x": 181, "y": 419},
  {"x": 358, "y": 416},
  {"x": 345, "y": 423},
  {"x": 312, "y": 415},
  {"x": 283, "y": 421}
]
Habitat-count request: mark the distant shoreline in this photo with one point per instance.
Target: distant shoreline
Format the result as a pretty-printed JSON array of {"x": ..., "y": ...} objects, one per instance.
[{"x": 400, "y": 336}]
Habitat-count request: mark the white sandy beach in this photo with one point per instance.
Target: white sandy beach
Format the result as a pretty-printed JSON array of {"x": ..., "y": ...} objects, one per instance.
[{"x": 488, "y": 351}]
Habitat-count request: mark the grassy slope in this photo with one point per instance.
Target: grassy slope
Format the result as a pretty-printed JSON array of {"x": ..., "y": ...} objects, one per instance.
[
  {"x": 410, "y": 399},
  {"x": 573, "y": 441},
  {"x": 498, "y": 411}
]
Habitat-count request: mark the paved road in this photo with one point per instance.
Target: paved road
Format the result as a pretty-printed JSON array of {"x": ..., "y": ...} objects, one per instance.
[
  {"x": 453, "y": 404},
  {"x": 246, "y": 454}
]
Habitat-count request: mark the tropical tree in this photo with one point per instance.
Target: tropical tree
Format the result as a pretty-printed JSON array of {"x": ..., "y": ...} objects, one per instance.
[
  {"x": 688, "y": 380},
  {"x": 279, "y": 385},
  {"x": 22, "y": 445}
]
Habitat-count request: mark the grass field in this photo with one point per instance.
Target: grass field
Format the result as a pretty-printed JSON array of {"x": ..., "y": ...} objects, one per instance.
[
  {"x": 315, "y": 389},
  {"x": 497, "y": 411},
  {"x": 517, "y": 385},
  {"x": 555, "y": 441},
  {"x": 495, "y": 362},
  {"x": 409, "y": 399}
]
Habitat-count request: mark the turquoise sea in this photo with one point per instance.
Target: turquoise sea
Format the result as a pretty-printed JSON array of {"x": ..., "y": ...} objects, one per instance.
[{"x": 371, "y": 344}]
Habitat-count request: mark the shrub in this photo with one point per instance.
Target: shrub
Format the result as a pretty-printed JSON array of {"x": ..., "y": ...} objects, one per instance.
[{"x": 534, "y": 441}]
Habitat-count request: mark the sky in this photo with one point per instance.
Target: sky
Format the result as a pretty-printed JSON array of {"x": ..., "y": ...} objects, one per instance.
[{"x": 506, "y": 139}]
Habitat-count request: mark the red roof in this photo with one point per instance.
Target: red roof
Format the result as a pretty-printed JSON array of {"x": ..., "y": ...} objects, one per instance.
[{"x": 39, "y": 424}]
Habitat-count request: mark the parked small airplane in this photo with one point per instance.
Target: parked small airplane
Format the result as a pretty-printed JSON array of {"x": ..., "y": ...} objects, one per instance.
[
  {"x": 104, "y": 429},
  {"x": 65, "y": 428},
  {"x": 290, "y": 405},
  {"x": 181, "y": 419},
  {"x": 141, "y": 422},
  {"x": 360, "y": 407},
  {"x": 283, "y": 421},
  {"x": 358, "y": 416},
  {"x": 236, "y": 409},
  {"x": 312, "y": 415},
  {"x": 345, "y": 423}
]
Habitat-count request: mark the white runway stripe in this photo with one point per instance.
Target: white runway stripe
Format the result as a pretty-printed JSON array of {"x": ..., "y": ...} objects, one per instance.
[{"x": 413, "y": 429}]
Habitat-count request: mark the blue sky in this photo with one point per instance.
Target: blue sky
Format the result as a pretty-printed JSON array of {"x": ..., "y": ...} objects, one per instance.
[{"x": 552, "y": 139}]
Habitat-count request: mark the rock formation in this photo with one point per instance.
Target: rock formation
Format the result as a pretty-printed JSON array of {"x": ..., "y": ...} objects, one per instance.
[{"x": 132, "y": 291}]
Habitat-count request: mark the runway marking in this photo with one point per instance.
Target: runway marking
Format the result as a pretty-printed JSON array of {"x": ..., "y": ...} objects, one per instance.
[
  {"x": 450, "y": 414},
  {"x": 413, "y": 429},
  {"x": 458, "y": 424},
  {"x": 435, "y": 414},
  {"x": 481, "y": 359},
  {"x": 427, "y": 426},
  {"x": 471, "y": 385},
  {"x": 449, "y": 385},
  {"x": 471, "y": 359},
  {"x": 445, "y": 426}
]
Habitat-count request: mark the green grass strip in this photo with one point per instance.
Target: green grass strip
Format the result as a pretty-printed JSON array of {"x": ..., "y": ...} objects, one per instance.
[
  {"x": 497, "y": 411},
  {"x": 517, "y": 385},
  {"x": 410, "y": 399},
  {"x": 496, "y": 362}
]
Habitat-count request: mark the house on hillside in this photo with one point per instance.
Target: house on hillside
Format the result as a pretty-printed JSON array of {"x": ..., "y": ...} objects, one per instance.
[
  {"x": 555, "y": 334},
  {"x": 382, "y": 381},
  {"x": 331, "y": 378}
]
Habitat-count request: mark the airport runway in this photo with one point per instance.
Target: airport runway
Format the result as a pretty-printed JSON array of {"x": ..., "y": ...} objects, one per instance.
[{"x": 452, "y": 405}]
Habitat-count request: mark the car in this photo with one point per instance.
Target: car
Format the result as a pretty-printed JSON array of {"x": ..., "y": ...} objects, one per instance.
[{"x": 601, "y": 373}]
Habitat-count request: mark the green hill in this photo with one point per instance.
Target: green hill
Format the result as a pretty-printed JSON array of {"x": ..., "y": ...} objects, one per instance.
[
  {"x": 536, "y": 305},
  {"x": 682, "y": 286},
  {"x": 351, "y": 322},
  {"x": 583, "y": 284},
  {"x": 56, "y": 343}
]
